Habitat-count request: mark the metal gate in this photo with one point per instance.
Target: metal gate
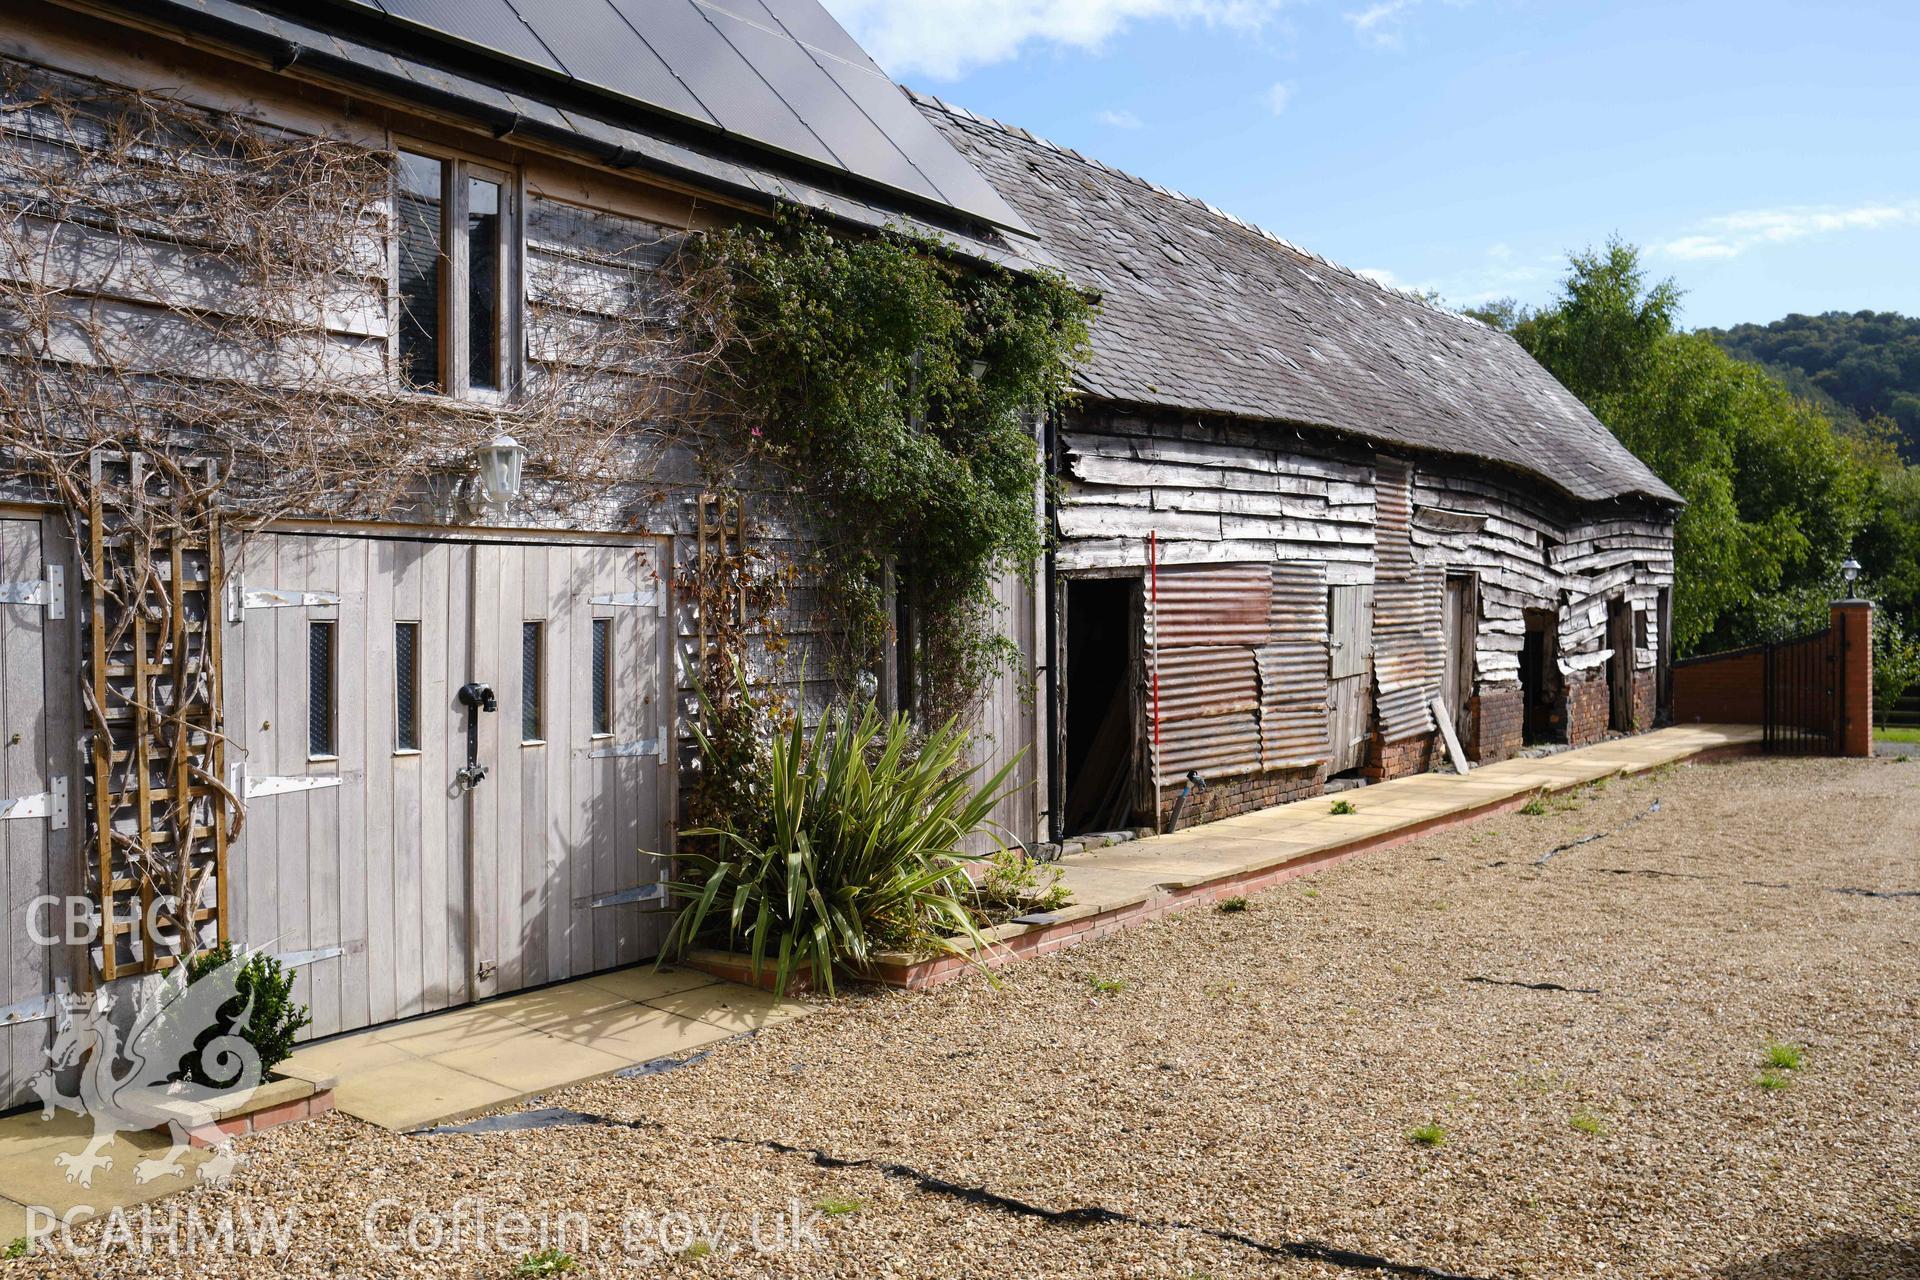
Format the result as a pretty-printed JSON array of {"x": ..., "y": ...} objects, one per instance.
[
  {"x": 1350, "y": 674},
  {"x": 1801, "y": 694},
  {"x": 374, "y": 850}
]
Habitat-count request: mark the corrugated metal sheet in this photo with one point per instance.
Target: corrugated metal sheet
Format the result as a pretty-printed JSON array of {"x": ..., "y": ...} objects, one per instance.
[
  {"x": 1195, "y": 683},
  {"x": 1407, "y": 613},
  {"x": 1210, "y": 605},
  {"x": 1217, "y": 746},
  {"x": 1203, "y": 626},
  {"x": 1293, "y": 669}
]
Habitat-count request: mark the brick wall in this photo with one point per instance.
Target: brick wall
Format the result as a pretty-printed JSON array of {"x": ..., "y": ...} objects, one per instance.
[
  {"x": 1588, "y": 705},
  {"x": 1244, "y": 793},
  {"x": 1646, "y": 700},
  {"x": 1499, "y": 724},
  {"x": 1853, "y": 619},
  {"x": 1725, "y": 689},
  {"x": 1398, "y": 759}
]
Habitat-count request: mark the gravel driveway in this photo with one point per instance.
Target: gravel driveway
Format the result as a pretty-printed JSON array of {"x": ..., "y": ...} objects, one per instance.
[{"x": 1581, "y": 1039}]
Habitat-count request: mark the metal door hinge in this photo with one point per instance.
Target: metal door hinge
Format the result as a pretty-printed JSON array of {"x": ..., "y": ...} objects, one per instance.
[
  {"x": 248, "y": 787},
  {"x": 50, "y": 804},
  {"x": 50, "y": 592},
  {"x": 651, "y": 598},
  {"x": 655, "y": 746},
  {"x": 486, "y": 969},
  {"x": 300, "y": 959},
  {"x": 241, "y": 597},
  {"x": 656, "y": 892}
]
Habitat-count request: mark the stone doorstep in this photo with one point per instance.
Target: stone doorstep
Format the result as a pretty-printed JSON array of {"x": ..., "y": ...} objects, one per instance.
[{"x": 210, "y": 1122}]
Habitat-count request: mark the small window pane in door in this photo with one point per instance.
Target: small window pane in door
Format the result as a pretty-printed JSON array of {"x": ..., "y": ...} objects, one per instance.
[
  {"x": 483, "y": 284},
  {"x": 406, "y": 686},
  {"x": 532, "y": 647},
  {"x": 321, "y": 737},
  {"x": 421, "y": 195},
  {"x": 602, "y": 676}
]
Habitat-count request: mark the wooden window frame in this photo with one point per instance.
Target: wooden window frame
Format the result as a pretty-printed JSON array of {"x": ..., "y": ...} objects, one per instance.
[
  {"x": 454, "y": 365},
  {"x": 407, "y": 716},
  {"x": 330, "y": 627},
  {"x": 539, "y": 691},
  {"x": 601, "y": 721}
]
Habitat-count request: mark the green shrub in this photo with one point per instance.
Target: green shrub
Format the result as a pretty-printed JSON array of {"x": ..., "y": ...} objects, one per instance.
[
  {"x": 1013, "y": 881},
  {"x": 858, "y": 851},
  {"x": 272, "y": 1025},
  {"x": 1233, "y": 905}
]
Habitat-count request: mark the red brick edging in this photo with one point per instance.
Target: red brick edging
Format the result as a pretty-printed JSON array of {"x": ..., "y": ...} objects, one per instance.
[{"x": 271, "y": 1116}]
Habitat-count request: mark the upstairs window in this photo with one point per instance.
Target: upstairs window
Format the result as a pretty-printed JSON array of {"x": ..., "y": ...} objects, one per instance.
[{"x": 456, "y": 256}]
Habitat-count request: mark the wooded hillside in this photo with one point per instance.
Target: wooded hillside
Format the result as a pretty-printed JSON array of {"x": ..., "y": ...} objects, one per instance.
[{"x": 1857, "y": 365}]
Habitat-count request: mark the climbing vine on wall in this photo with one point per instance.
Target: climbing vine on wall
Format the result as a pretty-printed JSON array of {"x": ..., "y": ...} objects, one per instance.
[{"x": 896, "y": 391}]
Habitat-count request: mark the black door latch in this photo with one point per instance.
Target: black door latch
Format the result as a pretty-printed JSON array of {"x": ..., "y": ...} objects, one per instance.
[{"x": 475, "y": 698}]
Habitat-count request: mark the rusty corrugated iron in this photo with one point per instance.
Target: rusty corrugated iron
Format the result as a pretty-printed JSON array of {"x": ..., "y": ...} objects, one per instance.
[
  {"x": 1406, "y": 614},
  {"x": 1203, "y": 627},
  {"x": 1218, "y": 746},
  {"x": 1211, "y": 605},
  {"x": 1293, "y": 669}
]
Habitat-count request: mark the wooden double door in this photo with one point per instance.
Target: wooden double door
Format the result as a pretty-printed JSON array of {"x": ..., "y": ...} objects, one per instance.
[{"x": 375, "y": 853}]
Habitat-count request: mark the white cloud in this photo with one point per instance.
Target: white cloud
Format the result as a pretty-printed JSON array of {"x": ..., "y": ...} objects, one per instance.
[
  {"x": 1732, "y": 234},
  {"x": 1379, "y": 23},
  {"x": 944, "y": 39},
  {"x": 1118, "y": 119},
  {"x": 1279, "y": 97}
]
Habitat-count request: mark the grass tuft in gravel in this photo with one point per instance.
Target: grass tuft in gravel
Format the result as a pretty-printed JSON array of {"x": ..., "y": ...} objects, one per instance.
[
  {"x": 1588, "y": 1123},
  {"x": 1233, "y": 905},
  {"x": 835, "y": 1207},
  {"x": 1428, "y": 1135},
  {"x": 1785, "y": 1057},
  {"x": 1773, "y": 1080},
  {"x": 1536, "y": 807},
  {"x": 1106, "y": 986},
  {"x": 547, "y": 1262}
]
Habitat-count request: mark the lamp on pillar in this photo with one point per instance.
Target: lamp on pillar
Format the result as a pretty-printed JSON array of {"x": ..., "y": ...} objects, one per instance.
[{"x": 1850, "y": 571}]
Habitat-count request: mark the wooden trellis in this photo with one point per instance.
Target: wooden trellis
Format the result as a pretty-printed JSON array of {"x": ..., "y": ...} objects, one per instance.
[{"x": 158, "y": 822}]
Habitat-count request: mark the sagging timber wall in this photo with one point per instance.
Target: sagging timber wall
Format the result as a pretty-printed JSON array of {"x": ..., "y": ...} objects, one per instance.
[{"x": 1211, "y": 494}]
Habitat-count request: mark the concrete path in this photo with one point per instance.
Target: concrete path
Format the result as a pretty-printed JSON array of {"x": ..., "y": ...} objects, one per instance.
[
  {"x": 451, "y": 1065},
  {"x": 1127, "y": 875}
]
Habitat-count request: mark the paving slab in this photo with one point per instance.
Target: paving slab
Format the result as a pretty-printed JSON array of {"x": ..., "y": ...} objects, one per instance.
[
  {"x": 448, "y": 1066},
  {"x": 1118, "y": 876}
]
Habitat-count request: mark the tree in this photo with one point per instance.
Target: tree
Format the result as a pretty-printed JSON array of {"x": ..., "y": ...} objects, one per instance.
[{"x": 1774, "y": 497}]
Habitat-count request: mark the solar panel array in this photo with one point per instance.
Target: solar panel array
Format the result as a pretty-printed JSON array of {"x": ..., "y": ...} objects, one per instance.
[{"x": 775, "y": 73}]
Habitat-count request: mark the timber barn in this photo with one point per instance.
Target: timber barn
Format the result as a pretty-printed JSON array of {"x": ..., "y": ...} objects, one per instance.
[
  {"x": 1299, "y": 516},
  {"x": 435, "y": 754}
]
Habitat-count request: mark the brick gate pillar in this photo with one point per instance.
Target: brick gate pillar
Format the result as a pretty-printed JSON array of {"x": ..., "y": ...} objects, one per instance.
[{"x": 1853, "y": 624}]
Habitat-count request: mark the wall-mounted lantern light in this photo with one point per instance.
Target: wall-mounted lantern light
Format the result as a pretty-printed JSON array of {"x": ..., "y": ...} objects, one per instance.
[{"x": 500, "y": 461}]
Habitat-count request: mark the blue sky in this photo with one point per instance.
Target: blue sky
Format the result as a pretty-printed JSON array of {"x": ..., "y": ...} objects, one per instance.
[{"x": 1765, "y": 153}]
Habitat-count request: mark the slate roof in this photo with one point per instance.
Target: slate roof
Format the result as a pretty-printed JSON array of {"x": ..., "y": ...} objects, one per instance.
[{"x": 1205, "y": 313}]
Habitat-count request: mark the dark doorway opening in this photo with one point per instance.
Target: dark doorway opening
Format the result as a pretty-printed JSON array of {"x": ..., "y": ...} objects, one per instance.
[
  {"x": 1545, "y": 718},
  {"x": 1620, "y": 638},
  {"x": 1102, "y": 651}
]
